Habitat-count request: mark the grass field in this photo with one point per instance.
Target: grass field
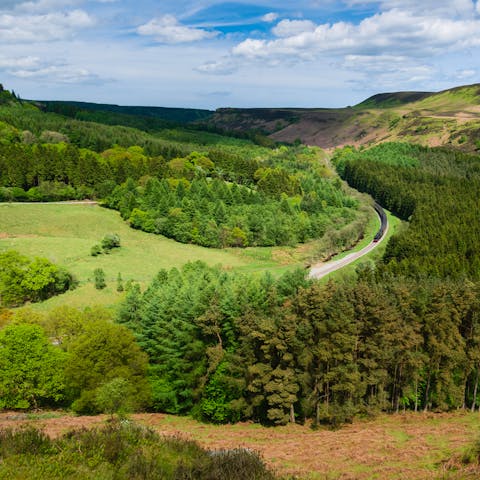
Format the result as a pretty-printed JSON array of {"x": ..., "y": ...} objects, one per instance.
[
  {"x": 65, "y": 233},
  {"x": 404, "y": 446}
]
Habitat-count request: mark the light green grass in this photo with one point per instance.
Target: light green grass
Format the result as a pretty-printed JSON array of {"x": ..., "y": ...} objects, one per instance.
[
  {"x": 455, "y": 99},
  {"x": 65, "y": 233}
]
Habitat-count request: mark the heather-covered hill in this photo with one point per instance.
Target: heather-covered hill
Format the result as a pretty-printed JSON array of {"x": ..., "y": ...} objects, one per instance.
[{"x": 450, "y": 117}]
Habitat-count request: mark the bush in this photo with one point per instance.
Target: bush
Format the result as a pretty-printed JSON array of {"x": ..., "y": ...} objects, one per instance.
[
  {"x": 110, "y": 241},
  {"x": 99, "y": 276},
  {"x": 124, "y": 451},
  {"x": 24, "y": 441},
  {"x": 96, "y": 250}
]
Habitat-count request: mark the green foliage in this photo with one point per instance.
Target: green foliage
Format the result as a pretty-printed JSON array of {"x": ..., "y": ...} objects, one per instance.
[
  {"x": 439, "y": 193},
  {"x": 99, "y": 279},
  {"x": 96, "y": 250},
  {"x": 22, "y": 279},
  {"x": 31, "y": 369},
  {"x": 110, "y": 241},
  {"x": 102, "y": 353},
  {"x": 224, "y": 347},
  {"x": 119, "y": 283},
  {"x": 114, "y": 397},
  {"x": 192, "y": 186},
  {"x": 216, "y": 213},
  {"x": 124, "y": 451},
  {"x": 190, "y": 324}
]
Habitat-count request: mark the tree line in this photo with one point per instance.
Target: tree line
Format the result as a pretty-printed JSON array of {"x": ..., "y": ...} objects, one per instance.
[{"x": 226, "y": 347}]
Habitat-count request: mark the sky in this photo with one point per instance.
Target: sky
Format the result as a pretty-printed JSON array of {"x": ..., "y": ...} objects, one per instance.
[{"x": 211, "y": 54}]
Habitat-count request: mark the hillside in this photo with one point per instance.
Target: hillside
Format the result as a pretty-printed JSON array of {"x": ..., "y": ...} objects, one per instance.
[
  {"x": 450, "y": 117},
  {"x": 149, "y": 119}
]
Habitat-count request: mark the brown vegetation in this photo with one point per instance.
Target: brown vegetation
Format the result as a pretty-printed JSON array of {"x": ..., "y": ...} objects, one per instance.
[{"x": 410, "y": 446}]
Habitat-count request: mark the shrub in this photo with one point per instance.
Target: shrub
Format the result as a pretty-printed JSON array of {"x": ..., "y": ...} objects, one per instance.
[
  {"x": 122, "y": 450},
  {"x": 110, "y": 241},
  {"x": 96, "y": 250},
  {"x": 24, "y": 441},
  {"x": 99, "y": 276},
  {"x": 119, "y": 283}
]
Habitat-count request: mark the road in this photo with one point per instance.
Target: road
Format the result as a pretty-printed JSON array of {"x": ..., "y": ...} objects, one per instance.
[{"x": 321, "y": 269}]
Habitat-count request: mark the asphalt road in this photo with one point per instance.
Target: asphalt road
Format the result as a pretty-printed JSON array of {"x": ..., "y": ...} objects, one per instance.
[{"x": 321, "y": 269}]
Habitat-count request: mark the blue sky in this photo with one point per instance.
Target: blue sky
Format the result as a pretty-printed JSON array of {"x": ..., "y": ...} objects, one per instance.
[{"x": 210, "y": 54}]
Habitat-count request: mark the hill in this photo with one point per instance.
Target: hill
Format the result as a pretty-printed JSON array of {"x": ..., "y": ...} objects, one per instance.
[
  {"x": 144, "y": 118},
  {"x": 450, "y": 117}
]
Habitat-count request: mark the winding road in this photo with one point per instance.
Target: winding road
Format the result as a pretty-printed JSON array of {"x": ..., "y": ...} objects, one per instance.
[{"x": 321, "y": 269}]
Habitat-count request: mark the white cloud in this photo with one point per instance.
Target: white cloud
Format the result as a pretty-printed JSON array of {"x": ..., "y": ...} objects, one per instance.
[
  {"x": 478, "y": 7},
  {"x": 21, "y": 62},
  {"x": 167, "y": 29},
  {"x": 224, "y": 66},
  {"x": 387, "y": 71},
  {"x": 57, "y": 74},
  {"x": 288, "y": 28},
  {"x": 31, "y": 67},
  {"x": 394, "y": 32},
  {"x": 270, "y": 17},
  {"x": 465, "y": 74},
  {"x": 42, "y": 28}
]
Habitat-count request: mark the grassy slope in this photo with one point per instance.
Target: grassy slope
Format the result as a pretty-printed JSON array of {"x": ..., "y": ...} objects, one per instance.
[
  {"x": 451, "y": 117},
  {"x": 65, "y": 234},
  {"x": 410, "y": 446}
]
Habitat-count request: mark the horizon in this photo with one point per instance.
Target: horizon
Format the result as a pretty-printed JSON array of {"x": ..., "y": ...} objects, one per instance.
[
  {"x": 208, "y": 54},
  {"x": 250, "y": 108}
]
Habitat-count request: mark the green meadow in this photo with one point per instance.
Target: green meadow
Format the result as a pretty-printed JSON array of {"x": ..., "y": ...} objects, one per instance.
[{"x": 65, "y": 233}]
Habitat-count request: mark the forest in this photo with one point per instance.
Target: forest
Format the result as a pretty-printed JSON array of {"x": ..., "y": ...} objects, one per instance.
[
  {"x": 225, "y": 347},
  {"x": 222, "y": 346},
  {"x": 438, "y": 191},
  {"x": 215, "y": 191}
]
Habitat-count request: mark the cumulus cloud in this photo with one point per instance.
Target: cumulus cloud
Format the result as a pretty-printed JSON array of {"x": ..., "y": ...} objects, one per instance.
[
  {"x": 288, "y": 28},
  {"x": 270, "y": 17},
  {"x": 42, "y": 28},
  {"x": 167, "y": 29},
  {"x": 394, "y": 32}
]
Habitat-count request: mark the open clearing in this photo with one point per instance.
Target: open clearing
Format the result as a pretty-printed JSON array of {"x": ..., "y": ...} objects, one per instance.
[
  {"x": 404, "y": 446},
  {"x": 65, "y": 233}
]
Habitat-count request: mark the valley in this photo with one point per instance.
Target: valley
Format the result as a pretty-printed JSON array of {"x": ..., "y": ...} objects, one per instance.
[{"x": 189, "y": 308}]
